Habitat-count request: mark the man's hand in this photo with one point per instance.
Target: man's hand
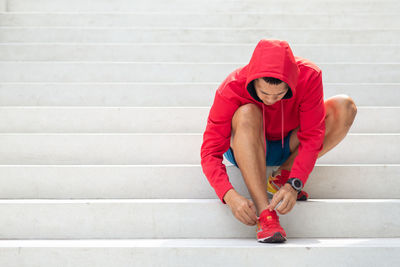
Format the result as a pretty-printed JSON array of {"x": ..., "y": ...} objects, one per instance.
[
  {"x": 288, "y": 195},
  {"x": 242, "y": 208}
]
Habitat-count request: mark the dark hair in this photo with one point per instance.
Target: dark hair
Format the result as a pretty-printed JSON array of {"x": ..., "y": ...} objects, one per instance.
[{"x": 271, "y": 80}]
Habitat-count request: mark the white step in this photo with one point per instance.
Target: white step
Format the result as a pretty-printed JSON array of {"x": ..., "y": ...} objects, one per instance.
[
  {"x": 164, "y": 94},
  {"x": 166, "y": 149},
  {"x": 190, "y": 218},
  {"x": 183, "y": 181},
  {"x": 176, "y": 6},
  {"x": 12, "y": 71},
  {"x": 196, "y": 35},
  {"x": 81, "y": 180},
  {"x": 190, "y": 52},
  {"x": 210, "y": 252},
  {"x": 152, "y": 119},
  {"x": 328, "y": 252},
  {"x": 191, "y": 19}
]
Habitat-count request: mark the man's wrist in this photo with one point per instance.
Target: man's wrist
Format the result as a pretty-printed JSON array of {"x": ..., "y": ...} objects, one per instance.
[
  {"x": 290, "y": 187},
  {"x": 228, "y": 195}
]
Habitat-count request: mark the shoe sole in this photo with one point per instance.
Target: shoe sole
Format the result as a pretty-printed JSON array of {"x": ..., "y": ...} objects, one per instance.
[
  {"x": 303, "y": 198},
  {"x": 276, "y": 238}
]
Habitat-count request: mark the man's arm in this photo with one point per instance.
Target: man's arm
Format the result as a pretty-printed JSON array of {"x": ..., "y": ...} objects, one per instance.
[
  {"x": 312, "y": 129},
  {"x": 216, "y": 141}
]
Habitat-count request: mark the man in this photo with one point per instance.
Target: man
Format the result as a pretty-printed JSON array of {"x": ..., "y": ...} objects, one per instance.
[{"x": 271, "y": 112}]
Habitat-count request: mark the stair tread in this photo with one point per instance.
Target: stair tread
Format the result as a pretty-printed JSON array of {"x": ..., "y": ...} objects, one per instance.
[{"x": 234, "y": 242}]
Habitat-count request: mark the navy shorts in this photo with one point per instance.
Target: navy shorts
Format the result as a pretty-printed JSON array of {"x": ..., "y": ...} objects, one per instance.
[{"x": 276, "y": 156}]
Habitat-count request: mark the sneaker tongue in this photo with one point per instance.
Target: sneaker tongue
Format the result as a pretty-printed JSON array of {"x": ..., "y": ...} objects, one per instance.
[
  {"x": 269, "y": 215},
  {"x": 269, "y": 218}
]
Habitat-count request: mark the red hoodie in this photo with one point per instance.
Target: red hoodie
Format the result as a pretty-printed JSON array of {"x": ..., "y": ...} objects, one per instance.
[{"x": 303, "y": 105}]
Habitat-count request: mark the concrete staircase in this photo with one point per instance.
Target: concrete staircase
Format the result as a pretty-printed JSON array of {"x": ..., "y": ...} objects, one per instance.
[{"x": 103, "y": 107}]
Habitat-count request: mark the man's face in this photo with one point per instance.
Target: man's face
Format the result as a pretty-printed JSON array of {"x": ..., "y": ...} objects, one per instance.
[{"x": 270, "y": 93}]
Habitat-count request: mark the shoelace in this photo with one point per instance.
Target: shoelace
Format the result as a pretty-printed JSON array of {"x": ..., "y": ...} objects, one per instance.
[{"x": 268, "y": 223}]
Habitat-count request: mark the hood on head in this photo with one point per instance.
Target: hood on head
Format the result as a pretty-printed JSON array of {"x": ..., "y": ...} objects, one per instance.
[{"x": 272, "y": 58}]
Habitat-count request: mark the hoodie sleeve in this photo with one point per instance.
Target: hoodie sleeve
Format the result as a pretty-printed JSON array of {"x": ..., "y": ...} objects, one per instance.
[
  {"x": 216, "y": 141},
  {"x": 312, "y": 128}
]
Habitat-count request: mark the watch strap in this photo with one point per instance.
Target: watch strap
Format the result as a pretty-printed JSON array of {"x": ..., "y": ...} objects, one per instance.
[{"x": 290, "y": 181}]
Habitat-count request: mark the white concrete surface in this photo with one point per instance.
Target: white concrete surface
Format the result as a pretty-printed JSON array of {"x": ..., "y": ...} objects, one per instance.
[
  {"x": 178, "y": 6},
  {"x": 3, "y": 5},
  {"x": 14, "y": 71},
  {"x": 149, "y": 148},
  {"x": 152, "y": 94},
  {"x": 327, "y": 181},
  {"x": 186, "y": 52},
  {"x": 195, "y": 19},
  {"x": 200, "y": 252},
  {"x": 190, "y": 218},
  {"x": 195, "y": 35},
  {"x": 152, "y": 119}
]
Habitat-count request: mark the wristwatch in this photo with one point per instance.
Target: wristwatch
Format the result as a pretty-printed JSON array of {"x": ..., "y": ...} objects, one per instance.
[{"x": 296, "y": 183}]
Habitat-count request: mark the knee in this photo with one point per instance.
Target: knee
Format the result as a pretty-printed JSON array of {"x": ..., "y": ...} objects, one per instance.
[
  {"x": 345, "y": 110},
  {"x": 248, "y": 116}
]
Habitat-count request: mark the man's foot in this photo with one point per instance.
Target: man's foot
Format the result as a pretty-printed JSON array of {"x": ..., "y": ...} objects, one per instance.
[
  {"x": 277, "y": 180},
  {"x": 269, "y": 229}
]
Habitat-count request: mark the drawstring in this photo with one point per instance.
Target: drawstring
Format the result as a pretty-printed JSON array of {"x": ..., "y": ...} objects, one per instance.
[
  {"x": 265, "y": 141},
  {"x": 282, "y": 121}
]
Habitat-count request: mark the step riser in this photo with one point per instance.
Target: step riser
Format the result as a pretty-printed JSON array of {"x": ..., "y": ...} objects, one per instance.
[
  {"x": 166, "y": 149},
  {"x": 190, "y": 35},
  {"x": 188, "y": 218},
  {"x": 342, "y": 7},
  {"x": 387, "y": 21},
  {"x": 143, "y": 182},
  {"x": 162, "y": 95},
  {"x": 198, "y": 256},
  {"x": 152, "y": 120},
  {"x": 175, "y": 72},
  {"x": 190, "y": 53}
]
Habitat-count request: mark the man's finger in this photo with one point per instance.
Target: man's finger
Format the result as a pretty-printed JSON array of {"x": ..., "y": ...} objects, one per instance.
[
  {"x": 246, "y": 217},
  {"x": 254, "y": 210},
  {"x": 283, "y": 205},
  {"x": 275, "y": 200},
  {"x": 240, "y": 217},
  {"x": 249, "y": 213}
]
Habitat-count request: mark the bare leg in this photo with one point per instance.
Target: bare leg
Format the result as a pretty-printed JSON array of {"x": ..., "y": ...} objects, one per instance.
[
  {"x": 340, "y": 114},
  {"x": 248, "y": 144}
]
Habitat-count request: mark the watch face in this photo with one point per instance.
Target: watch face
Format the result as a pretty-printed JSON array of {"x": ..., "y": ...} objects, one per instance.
[{"x": 297, "y": 183}]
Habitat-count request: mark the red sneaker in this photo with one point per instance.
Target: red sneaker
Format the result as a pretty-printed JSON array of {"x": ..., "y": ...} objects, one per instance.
[
  {"x": 275, "y": 183},
  {"x": 269, "y": 229}
]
